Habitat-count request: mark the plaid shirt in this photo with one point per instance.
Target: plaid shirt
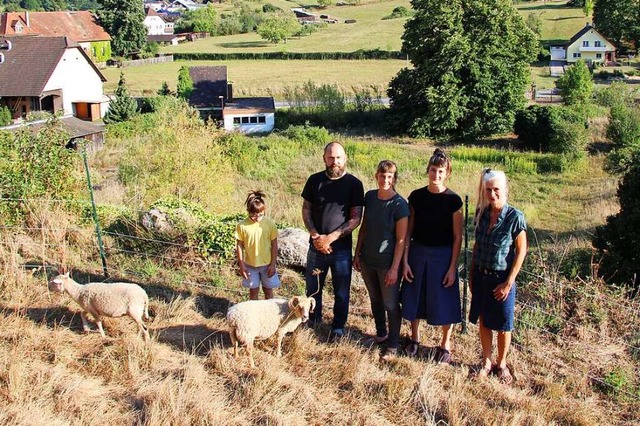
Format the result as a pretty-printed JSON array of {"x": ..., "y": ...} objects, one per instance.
[{"x": 496, "y": 248}]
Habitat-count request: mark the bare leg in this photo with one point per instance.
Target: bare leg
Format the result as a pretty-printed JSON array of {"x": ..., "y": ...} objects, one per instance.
[
  {"x": 268, "y": 293},
  {"x": 415, "y": 330},
  {"x": 504, "y": 341},
  {"x": 254, "y": 293},
  {"x": 486, "y": 339},
  {"x": 445, "y": 343}
]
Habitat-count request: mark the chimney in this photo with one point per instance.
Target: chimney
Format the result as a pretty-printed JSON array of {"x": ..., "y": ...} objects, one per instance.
[
  {"x": 26, "y": 18},
  {"x": 229, "y": 92}
]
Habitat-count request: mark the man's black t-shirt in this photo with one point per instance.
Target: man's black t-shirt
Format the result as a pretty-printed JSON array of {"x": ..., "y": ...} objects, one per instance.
[
  {"x": 433, "y": 216},
  {"x": 331, "y": 200}
]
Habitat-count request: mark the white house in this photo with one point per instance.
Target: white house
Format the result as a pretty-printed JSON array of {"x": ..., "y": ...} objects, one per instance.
[
  {"x": 249, "y": 115},
  {"x": 183, "y": 5},
  {"x": 51, "y": 74},
  {"x": 156, "y": 24},
  {"x": 587, "y": 44}
]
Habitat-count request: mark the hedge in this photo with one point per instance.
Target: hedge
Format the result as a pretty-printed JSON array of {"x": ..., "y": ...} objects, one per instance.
[{"x": 358, "y": 54}]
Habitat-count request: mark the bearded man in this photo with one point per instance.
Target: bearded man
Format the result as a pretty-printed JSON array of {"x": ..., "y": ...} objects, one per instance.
[{"x": 331, "y": 210}]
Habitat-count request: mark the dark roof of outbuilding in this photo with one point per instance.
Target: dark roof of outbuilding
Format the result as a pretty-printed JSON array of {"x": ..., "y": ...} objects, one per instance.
[
  {"x": 29, "y": 64},
  {"x": 209, "y": 83}
]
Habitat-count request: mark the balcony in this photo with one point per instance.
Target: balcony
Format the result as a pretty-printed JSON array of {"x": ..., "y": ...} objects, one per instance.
[{"x": 600, "y": 49}]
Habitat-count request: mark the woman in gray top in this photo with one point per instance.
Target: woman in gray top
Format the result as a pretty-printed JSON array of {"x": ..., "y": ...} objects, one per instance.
[{"x": 379, "y": 252}]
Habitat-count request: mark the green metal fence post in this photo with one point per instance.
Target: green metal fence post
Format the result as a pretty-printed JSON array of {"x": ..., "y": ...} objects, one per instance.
[{"x": 95, "y": 214}]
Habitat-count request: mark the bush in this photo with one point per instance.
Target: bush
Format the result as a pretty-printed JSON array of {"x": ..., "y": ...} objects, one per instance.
[
  {"x": 618, "y": 240},
  {"x": 5, "y": 116},
  {"x": 624, "y": 133},
  {"x": 576, "y": 85},
  {"x": 554, "y": 129},
  {"x": 616, "y": 94},
  {"x": 399, "y": 12}
]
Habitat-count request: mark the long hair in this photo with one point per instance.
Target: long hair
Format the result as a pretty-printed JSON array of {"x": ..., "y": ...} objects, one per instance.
[
  {"x": 440, "y": 159},
  {"x": 255, "y": 202},
  {"x": 487, "y": 175}
]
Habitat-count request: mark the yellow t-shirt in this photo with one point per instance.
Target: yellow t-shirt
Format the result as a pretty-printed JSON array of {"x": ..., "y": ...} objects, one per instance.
[{"x": 256, "y": 238}]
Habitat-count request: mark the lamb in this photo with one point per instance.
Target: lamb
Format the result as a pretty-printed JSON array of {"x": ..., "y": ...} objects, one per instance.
[
  {"x": 106, "y": 300},
  {"x": 260, "y": 319}
]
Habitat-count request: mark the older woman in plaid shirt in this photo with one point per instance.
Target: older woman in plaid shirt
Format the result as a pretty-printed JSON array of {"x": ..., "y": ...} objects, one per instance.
[{"x": 499, "y": 250}]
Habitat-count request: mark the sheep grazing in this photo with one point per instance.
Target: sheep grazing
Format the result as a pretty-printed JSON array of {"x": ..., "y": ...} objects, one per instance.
[
  {"x": 106, "y": 300},
  {"x": 260, "y": 319}
]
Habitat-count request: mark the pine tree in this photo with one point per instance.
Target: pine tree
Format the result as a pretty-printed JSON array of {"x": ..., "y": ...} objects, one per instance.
[
  {"x": 164, "y": 90},
  {"x": 123, "y": 107}
]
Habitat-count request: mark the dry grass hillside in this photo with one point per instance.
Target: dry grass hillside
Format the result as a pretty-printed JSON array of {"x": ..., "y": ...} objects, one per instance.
[{"x": 51, "y": 373}]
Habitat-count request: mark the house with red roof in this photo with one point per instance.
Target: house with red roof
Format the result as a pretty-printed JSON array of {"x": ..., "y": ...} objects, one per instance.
[{"x": 80, "y": 27}]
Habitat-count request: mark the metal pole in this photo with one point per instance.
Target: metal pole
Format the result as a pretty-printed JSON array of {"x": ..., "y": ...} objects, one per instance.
[
  {"x": 95, "y": 214},
  {"x": 466, "y": 264}
]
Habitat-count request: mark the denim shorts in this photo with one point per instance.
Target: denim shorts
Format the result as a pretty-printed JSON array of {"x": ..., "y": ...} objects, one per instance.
[
  {"x": 257, "y": 275},
  {"x": 497, "y": 316}
]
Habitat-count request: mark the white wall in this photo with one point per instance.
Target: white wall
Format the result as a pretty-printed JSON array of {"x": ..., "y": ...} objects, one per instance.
[
  {"x": 266, "y": 127},
  {"x": 77, "y": 79},
  {"x": 155, "y": 25}
]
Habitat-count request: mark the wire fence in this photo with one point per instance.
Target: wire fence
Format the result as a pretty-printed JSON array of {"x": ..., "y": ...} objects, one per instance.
[{"x": 631, "y": 307}]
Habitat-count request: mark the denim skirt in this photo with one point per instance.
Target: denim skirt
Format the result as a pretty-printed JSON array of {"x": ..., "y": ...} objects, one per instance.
[
  {"x": 425, "y": 297},
  {"x": 497, "y": 316}
]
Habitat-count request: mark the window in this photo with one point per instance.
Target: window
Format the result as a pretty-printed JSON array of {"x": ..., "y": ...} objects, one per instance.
[
  {"x": 253, "y": 120},
  {"x": 585, "y": 43},
  {"x": 577, "y": 55},
  {"x": 236, "y": 120},
  {"x": 598, "y": 55},
  {"x": 262, "y": 119},
  {"x": 18, "y": 28},
  {"x": 598, "y": 44},
  {"x": 245, "y": 120}
]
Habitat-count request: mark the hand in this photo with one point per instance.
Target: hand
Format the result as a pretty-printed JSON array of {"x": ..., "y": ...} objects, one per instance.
[
  {"x": 243, "y": 273},
  {"x": 449, "y": 278},
  {"x": 391, "y": 277},
  {"x": 271, "y": 270},
  {"x": 356, "y": 263},
  {"x": 501, "y": 292},
  {"x": 322, "y": 243},
  {"x": 407, "y": 273}
]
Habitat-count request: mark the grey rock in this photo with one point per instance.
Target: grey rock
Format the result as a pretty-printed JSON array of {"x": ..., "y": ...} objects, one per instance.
[{"x": 293, "y": 245}]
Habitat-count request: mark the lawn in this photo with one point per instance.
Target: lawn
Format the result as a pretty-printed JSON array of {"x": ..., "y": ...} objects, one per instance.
[
  {"x": 368, "y": 32},
  {"x": 262, "y": 78}
]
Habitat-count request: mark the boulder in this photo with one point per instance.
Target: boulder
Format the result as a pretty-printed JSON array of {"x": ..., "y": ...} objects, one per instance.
[
  {"x": 156, "y": 220},
  {"x": 293, "y": 245}
]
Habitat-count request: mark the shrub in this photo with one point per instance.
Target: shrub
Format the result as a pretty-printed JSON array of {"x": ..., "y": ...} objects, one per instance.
[
  {"x": 5, "y": 116},
  {"x": 560, "y": 130},
  {"x": 616, "y": 94},
  {"x": 618, "y": 240},
  {"x": 576, "y": 85},
  {"x": 185, "y": 83},
  {"x": 624, "y": 133},
  {"x": 398, "y": 12}
]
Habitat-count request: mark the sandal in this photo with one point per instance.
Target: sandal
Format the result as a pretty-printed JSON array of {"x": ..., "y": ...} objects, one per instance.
[
  {"x": 484, "y": 372},
  {"x": 443, "y": 356},
  {"x": 504, "y": 375},
  {"x": 412, "y": 348}
]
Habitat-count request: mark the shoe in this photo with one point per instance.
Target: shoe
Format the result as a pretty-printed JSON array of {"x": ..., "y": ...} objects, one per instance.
[
  {"x": 443, "y": 356},
  {"x": 374, "y": 341},
  {"x": 412, "y": 348},
  {"x": 336, "y": 335},
  {"x": 389, "y": 354},
  {"x": 485, "y": 372}
]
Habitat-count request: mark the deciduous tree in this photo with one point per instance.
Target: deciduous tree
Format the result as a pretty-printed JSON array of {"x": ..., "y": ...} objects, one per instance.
[
  {"x": 470, "y": 69},
  {"x": 123, "y": 20},
  {"x": 618, "y": 20},
  {"x": 185, "y": 83},
  {"x": 576, "y": 85},
  {"x": 278, "y": 27}
]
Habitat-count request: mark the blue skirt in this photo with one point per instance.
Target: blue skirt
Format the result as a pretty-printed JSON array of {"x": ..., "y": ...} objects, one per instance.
[
  {"x": 497, "y": 316},
  {"x": 425, "y": 297}
]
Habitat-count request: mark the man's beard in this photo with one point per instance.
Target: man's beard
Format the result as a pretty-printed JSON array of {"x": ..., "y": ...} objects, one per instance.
[{"x": 335, "y": 171}]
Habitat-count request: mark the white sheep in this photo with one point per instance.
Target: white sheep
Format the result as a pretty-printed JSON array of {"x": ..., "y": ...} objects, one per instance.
[
  {"x": 106, "y": 300},
  {"x": 260, "y": 319}
]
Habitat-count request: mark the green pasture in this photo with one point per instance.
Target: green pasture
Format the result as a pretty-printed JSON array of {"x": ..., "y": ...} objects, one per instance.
[
  {"x": 262, "y": 78},
  {"x": 559, "y": 22},
  {"x": 368, "y": 32}
]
